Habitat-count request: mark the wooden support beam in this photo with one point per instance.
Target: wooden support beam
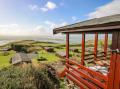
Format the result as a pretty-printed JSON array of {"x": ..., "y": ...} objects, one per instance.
[
  {"x": 83, "y": 49},
  {"x": 67, "y": 47},
  {"x": 105, "y": 44},
  {"x": 111, "y": 74},
  {"x": 117, "y": 67},
  {"x": 95, "y": 45}
]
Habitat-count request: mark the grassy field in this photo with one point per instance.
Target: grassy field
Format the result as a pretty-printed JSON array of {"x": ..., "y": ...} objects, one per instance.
[
  {"x": 4, "y": 60},
  {"x": 51, "y": 57}
]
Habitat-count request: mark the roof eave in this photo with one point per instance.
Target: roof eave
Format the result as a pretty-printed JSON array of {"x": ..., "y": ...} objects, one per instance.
[{"x": 92, "y": 29}]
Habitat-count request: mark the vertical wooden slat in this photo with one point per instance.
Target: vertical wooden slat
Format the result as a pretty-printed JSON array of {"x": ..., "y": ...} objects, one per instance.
[
  {"x": 83, "y": 49},
  {"x": 95, "y": 45},
  {"x": 117, "y": 73},
  {"x": 111, "y": 74},
  {"x": 114, "y": 40},
  {"x": 117, "y": 67},
  {"x": 105, "y": 44},
  {"x": 67, "y": 47}
]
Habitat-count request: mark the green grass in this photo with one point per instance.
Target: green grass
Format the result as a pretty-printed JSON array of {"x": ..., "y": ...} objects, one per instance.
[
  {"x": 51, "y": 57},
  {"x": 46, "y": 44},
  {"x": 27, "y": 77},
  {"x": 4, "y": 60}
]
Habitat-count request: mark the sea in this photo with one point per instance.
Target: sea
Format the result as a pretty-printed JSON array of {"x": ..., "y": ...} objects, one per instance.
[{"x": 55, "y": 39}]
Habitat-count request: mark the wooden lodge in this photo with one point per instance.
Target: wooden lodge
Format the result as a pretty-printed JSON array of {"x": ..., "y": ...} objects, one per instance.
[{"x": 83, "y": 76}]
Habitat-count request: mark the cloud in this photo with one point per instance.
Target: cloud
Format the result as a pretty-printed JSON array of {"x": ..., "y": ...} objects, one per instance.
[
  {"x": 14, "y": 30},
  {"x": 11, "y": 29},
  {"x": 51, "y": 25},
  {"x": 44, "y": 9},
  {"x": 48, "y": 6},
  {"x": 55, "y": 25},
  {"x": 9, "y": 26},
  {"x": 106, "y": 10},
  {"x": 47, "y": 29},
  {"x": 40, "y": 30},
  {"x": 74, "y": 18},
  {"x": 33, "y": 7}
]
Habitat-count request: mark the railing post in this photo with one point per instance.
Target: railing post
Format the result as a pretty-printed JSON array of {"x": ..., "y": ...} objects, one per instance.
[
  {"x": 83, "y": 49},
  {"x": 113, "y": 66},
  {"x": 95, "y": 45},
  {"x": 67, "y": 47},
  {"x": 105, "y": 44}
]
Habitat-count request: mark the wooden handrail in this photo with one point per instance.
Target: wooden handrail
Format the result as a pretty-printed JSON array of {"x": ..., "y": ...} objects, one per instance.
[
  {"x": 90, "y": 71},
  {"x": 88, "y": 84},
  {"x": 89, "y": 77},
  {"x": 75, "y": 81}
]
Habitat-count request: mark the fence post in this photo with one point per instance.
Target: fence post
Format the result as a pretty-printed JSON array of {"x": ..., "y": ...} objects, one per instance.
[
  {"x": 95, "y": 45},
  {"x": 105, "y": 44},
  {"x": 83, "y": 48},
  {"x": 67, "y": 47}
]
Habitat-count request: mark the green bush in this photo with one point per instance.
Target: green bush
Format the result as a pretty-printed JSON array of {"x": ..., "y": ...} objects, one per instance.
[
  {"x": 19, "y": 47},
  {"x": 25, "y": 78},
  {"x": 5, "y": 53},
  {"x": 41, "y": 59}
]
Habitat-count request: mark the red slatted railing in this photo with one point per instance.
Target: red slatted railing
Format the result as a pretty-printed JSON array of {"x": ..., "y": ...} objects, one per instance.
[
  {"x": 90, "y": 71},
  {"x": 85, "y": 78},
  {"x": 90, "y": 85}
]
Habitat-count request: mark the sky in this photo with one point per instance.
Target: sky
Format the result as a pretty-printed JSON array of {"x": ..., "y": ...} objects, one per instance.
[{"x": 39, "y": 17}]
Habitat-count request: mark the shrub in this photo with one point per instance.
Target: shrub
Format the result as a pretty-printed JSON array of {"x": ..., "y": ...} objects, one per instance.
[
  {"x": 5, "y": 53},
  {"x": 41, "y": 59},
  {"x": 28, "y": 77},
  {"x": 19, "y": 47}
]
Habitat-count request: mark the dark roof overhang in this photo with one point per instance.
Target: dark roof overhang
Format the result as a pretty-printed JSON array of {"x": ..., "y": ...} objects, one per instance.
[{"x": 104, "y": 24}]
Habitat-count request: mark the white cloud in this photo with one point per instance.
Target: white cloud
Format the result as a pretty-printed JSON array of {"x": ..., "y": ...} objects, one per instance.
[
  {"x": 17, "y": 30},
  {"x": 11, "y": 29},
  {"x": 74, "y": 18},
  {"x": 50, "y": 5},
  {"x": 55, "y": 25},
  {"x": 9, "y": 26},
  {"x": 106, "y": 10},
  {"x": 33, "y": 7},
  {"x": 44, "y": 9},
  {"x": 40, "y": 30}
]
